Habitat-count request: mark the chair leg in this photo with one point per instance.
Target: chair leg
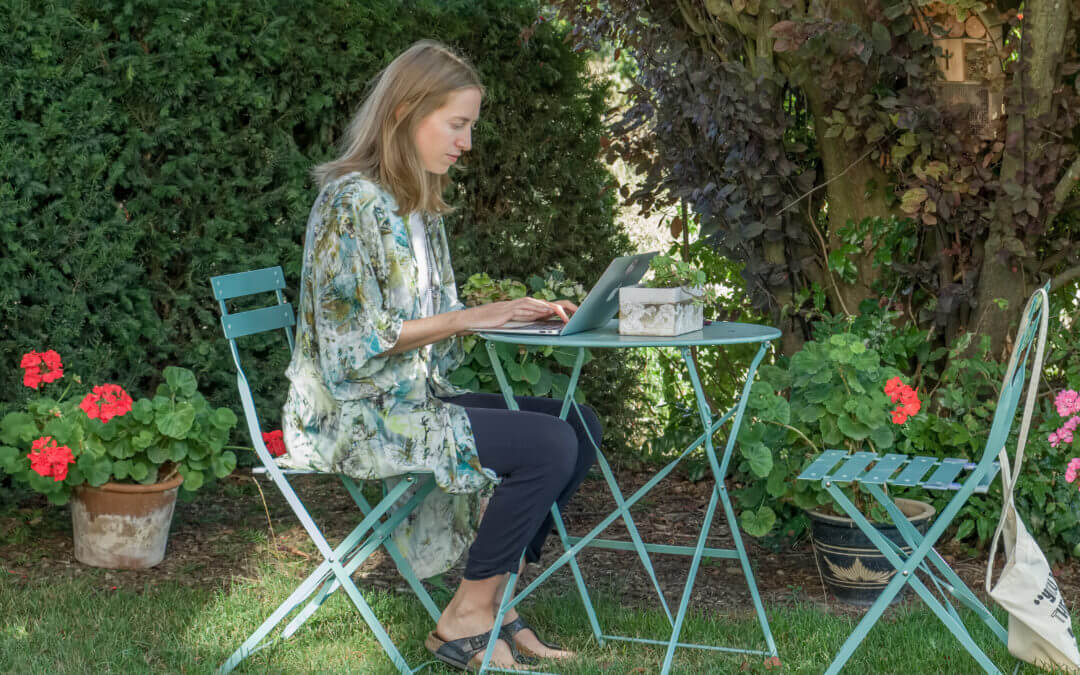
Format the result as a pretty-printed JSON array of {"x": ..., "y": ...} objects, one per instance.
[
  {"x": 905, "y": 575},
  {"x": 372, "y": 621},
  {"x": 361, "y": 548},
  {"x": 403, "y": 566},
  {"x": 956, "y": 587},
  {"x": 302, "y": 592}
]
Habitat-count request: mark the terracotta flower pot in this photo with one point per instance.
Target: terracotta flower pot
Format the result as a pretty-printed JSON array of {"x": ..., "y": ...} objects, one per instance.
[
  {"x": 853, "y": 569},
  {"x": 121, "y": 526}
]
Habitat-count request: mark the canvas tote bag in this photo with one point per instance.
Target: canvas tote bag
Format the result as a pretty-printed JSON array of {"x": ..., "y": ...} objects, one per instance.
[{"x": 1040, "y": 627}]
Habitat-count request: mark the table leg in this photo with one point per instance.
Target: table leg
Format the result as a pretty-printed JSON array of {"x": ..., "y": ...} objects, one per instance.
[{"x": 719, "y": 493}]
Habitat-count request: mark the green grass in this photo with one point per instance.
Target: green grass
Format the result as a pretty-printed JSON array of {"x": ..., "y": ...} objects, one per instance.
[{"x": 84, "y": 626}]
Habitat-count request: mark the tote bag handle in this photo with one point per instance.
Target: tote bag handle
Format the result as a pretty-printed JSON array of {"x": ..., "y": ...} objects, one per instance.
[{"x": 1009, "y": 475}]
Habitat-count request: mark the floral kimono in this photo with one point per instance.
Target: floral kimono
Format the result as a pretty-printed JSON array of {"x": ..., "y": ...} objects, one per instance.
[{"x": 353, "y": 410}]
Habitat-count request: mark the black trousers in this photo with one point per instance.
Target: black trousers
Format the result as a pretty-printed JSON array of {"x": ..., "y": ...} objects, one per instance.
[{"x": 541, "y": 460}]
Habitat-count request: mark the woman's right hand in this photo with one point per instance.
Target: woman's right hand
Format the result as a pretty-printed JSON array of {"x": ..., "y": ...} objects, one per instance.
[{"x": 495, "y": 314}]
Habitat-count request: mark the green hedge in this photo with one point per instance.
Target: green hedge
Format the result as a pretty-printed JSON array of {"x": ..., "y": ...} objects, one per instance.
[{"x": 147, "y": 145}]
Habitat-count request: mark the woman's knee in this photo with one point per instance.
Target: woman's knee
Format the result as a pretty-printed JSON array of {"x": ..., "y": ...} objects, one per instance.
[{"x": 561, "y": 450}]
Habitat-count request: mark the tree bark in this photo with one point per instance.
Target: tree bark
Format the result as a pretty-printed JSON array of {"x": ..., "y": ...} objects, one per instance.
[
  {"x": 1045, "y": 23},
  {"x": 848, "y": 173}
]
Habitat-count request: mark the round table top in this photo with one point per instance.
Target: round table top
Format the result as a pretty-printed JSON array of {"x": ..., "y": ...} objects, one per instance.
[{"x": 715, "y": 333}]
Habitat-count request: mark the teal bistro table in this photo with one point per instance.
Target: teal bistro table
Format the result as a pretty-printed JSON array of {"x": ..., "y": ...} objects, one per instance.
[{"x": 608, "y": 337}]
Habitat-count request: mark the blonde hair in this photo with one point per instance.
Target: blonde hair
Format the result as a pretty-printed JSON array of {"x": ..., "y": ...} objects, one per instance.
[{"x": 378, "y": 141}]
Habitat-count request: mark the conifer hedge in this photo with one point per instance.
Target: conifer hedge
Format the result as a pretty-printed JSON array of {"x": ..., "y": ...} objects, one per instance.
[{"x": 146, "y": 145}]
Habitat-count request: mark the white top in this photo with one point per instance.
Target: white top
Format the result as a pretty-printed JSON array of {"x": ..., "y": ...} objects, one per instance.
[
  {"x": 423, "y": 260},
  {"x": 424, "y": 272}
]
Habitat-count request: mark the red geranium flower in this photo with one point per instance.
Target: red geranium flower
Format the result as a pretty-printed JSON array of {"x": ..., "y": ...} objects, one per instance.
[
  {"x": 106, "y": 402},
  {"x": 48, "y": 459},
  {"x": 907, "y": 397},
  {"x": 275, "y": 444},
  {"x": 41, "y": 367}
]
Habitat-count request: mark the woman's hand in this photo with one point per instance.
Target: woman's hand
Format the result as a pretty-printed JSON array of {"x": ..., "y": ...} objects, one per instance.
[{"x": 495, "y": 314}]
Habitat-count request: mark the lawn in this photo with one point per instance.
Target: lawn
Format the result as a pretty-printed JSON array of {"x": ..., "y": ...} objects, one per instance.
[
  {"x": 83, "y": 626},
  {"x": 226, "y": 570}
]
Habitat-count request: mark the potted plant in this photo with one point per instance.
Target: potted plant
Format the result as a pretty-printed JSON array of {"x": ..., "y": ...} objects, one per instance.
[
  {"x": 670, "y": 303},
  {"x": 834, "y": 393},
  {"x": 120, "y": 462}
]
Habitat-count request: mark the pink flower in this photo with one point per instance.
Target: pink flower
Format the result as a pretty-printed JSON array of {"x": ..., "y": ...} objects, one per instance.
[
  {"x": 1073, "y": 470},
  {"x": 1067, "y": 403},
  {"x": 1054, "y": 439}
]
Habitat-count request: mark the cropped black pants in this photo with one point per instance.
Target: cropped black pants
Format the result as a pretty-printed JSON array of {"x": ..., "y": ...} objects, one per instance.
[{"x": 541, "y": 460}]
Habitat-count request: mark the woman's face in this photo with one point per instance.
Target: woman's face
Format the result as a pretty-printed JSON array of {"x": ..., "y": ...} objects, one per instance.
[{"x": 446, "y": 133}]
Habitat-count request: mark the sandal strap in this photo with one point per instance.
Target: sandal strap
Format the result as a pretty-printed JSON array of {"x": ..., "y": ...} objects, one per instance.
[
  {"x": 519, "y": 624},
  {"x": 463, "y": 649}
]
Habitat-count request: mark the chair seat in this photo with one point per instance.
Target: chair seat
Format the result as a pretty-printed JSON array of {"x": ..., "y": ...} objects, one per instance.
[{"x": 895, "y": 469}]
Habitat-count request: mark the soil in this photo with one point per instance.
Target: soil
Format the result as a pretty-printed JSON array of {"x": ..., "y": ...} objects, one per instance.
[{"x": 226, "y": 533}]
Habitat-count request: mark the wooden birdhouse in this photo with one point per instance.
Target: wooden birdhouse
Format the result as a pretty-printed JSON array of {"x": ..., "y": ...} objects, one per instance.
[{"x": 968, "y": 62}]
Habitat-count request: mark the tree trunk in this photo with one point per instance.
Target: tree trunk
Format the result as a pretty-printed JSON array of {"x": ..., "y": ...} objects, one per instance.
[
  {"x": 1045, "y": 23},
  {"x": 849, "y": 173}
]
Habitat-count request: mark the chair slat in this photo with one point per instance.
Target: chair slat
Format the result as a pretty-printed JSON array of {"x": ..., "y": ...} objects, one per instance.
[
  {"x": 913, "y": 473},
  {"x": 984, "y": 485},
  {"x": 821, "y": 466},
  {"x": 257, "y": 320},
  {"x": 854, "y": 467},
  {"x": 946, "y": 473},
  {"x": 883, "y": 469},
  {"x": 229, "y": 286}
]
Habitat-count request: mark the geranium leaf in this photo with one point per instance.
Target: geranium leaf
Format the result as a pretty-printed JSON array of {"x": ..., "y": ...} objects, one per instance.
[
  {"x": 181, "y": 380},
  {"x": 122, "y": 469},
  {"x": 193, "y": 480},
  {"x": 17, "y": 427},
  {"x": 143, "y": 410},
  {"x": 223, "y": 464},
  {"x": 854, "y": 430},
  {"x": 223, "y": 418},
  {"x": 882, "y": 437},
  {"x": 176, "y": 423},
  {"x": 758, "y": 523},
  {"x": 158, "y": 454},
  {"x": 9, "y": 458},
  {"x": 759, "y": 457},
  {"x": 178, "y": 450}
]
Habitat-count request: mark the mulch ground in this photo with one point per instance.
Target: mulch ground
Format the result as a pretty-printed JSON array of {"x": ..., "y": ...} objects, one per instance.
[{"x": 226, "y": 533}]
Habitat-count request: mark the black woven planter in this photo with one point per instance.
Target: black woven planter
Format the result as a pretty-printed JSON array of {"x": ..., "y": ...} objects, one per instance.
[{"x": 853, "y": 569}]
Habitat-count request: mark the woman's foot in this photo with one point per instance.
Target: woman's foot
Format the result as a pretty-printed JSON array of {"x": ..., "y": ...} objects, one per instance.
[
  {"x": 527, "y": 641},
  {"x": 454, "y": 625}
]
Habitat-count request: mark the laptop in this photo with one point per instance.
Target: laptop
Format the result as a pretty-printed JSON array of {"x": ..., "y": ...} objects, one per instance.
[{"x": 598, "y": 307}]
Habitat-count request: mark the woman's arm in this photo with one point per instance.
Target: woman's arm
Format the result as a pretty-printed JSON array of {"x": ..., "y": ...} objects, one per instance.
[{"x": 417, "y": 333}]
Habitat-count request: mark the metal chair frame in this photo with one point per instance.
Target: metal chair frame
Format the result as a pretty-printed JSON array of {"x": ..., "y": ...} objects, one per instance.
[
  {"x": 836, "y": 467},
  {"x": 379, "y": 521}
]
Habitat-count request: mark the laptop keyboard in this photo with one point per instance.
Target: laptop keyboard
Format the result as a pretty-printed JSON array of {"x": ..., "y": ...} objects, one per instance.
[{"x": 536, "y": 325}]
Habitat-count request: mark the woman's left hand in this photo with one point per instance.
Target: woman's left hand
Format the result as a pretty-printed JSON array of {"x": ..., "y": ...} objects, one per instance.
[{"x": 564, "y": 309}]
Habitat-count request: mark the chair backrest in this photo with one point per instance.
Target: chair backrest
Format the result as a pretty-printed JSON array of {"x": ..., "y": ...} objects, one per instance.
[
  {"x": 251, "y": 322},
  {"x": 1012, "y": 387}
]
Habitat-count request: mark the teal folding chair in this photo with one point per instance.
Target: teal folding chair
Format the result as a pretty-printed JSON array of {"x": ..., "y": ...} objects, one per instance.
[
  {"x": 836, "y": 467},
  {"x": 375, "y": 528}
]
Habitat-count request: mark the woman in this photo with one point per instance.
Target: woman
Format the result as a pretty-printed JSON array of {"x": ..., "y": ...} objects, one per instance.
[{"x": 378, "y": 333}]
